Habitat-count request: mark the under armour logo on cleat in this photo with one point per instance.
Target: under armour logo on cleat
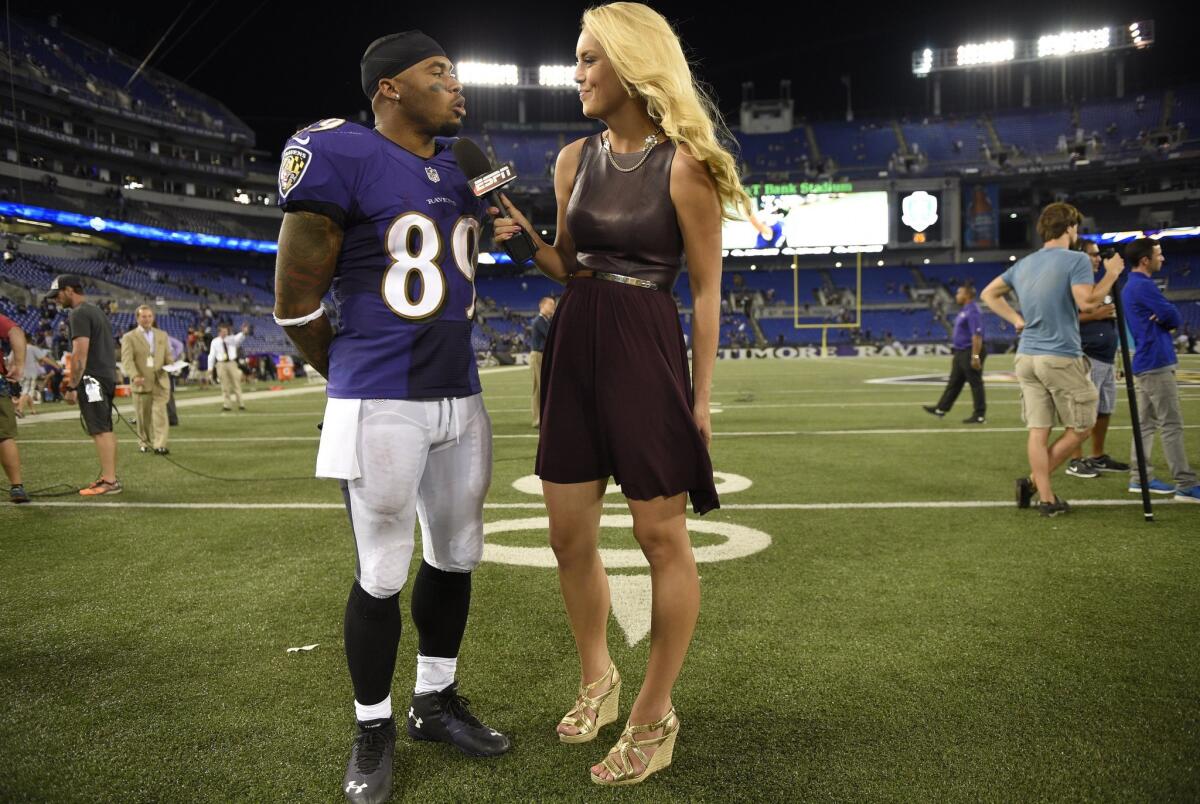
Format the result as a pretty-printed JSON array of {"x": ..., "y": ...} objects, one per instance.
[
  {"x": 352, "y": 788},
  {"x": 413, "y": 717}
]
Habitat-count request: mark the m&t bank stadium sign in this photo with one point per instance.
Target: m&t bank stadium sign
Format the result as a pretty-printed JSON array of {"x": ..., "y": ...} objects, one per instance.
[{"x": 801, "y": 188}]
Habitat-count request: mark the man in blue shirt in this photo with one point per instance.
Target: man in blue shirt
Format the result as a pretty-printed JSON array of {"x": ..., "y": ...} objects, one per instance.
[
  {"x": 968, "y": 359},
  {"x": 1098, "y": 334},
  {"x": 537, "y": 344},
  {"x": 1052, "y": 285},
  {"x": 1151, "y": 318}
]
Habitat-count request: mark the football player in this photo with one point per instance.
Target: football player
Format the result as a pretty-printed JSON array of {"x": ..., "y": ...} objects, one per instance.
[{"x": 387, "y": 219}]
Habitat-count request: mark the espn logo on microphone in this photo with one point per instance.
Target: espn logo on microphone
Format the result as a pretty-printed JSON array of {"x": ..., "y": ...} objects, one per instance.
[{"x": 482, "y": 185}]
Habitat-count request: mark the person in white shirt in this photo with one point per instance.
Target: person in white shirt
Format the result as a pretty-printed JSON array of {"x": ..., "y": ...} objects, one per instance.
[
  {"x": 35, "y": 359},
  {"x": 222, "y": 358}
]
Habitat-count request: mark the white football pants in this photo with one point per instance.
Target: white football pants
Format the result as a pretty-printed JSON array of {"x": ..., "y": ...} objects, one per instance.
[{"x": 418, "y": 460}]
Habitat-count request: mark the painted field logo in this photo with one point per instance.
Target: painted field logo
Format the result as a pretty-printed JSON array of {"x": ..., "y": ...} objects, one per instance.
[
  {"x": 919, "y": 210},
  {"x": 630, "y": 594},
  {"x": 998, "y": 377}
]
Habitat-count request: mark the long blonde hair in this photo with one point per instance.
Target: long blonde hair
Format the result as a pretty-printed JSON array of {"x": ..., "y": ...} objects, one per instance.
[{"x": 648, "y": 59}]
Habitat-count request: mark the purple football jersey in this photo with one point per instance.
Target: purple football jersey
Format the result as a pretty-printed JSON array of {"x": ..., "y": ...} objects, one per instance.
[{"x": 405, "y": 281}]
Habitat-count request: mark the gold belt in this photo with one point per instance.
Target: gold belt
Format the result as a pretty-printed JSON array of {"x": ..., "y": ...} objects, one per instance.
[{"x": 624, "y": 280}]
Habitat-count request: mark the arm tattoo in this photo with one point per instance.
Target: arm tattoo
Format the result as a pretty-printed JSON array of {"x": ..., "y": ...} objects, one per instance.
[{"x": 308, "y": 250}]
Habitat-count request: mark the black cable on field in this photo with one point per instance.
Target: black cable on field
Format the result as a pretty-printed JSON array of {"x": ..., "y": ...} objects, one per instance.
[
  {"x": 120, "y": 417},
  {"x": 197, "y": 472},
  {"x": 45, "y": 492}
]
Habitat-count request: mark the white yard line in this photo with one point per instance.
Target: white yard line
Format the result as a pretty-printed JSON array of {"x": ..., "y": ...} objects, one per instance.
[
  {"x": 722, "y": 434},
  {"x": 215, "y": 399},
  {"x": 537, "y": 506},
  {"x": 723, "y": 407}
]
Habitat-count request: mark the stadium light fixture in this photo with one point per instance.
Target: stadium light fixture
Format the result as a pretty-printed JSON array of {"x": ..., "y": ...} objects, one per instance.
[
  {"x": 970, "y": 259},
  {"x": 486, "y": 74},
  {"x": 837, "y": 265},
  {"x": 556, "y": 75},
  {"x": 1137, "y": 35},
  {"x": 879, "y": 263},
  {"x": 926, "y": 260},
  {"x": 987, "y": 53},
  {"x": 1012, "y": 257},
  {"x": 1069, "y": 43},
  {"x": 925, "y": 63}
]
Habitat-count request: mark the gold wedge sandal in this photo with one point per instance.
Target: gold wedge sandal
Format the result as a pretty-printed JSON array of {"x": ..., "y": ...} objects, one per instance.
[
  {"x": 619, "y": 762},
  {"x": 604, "y": 705}
]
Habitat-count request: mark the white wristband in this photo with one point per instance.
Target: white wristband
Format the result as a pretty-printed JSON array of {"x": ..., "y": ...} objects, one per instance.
[{"x": 302, "y": 320}]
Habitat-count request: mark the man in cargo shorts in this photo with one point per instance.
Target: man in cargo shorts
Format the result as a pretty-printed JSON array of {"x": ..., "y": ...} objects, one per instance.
[{"x": 1052, "y": 286}]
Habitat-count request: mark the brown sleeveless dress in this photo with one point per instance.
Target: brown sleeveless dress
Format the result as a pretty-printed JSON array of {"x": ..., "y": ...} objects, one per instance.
[{"x": 616, "y": 389}]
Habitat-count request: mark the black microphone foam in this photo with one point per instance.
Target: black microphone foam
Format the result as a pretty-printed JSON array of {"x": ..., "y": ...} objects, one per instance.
[{"x": 472, "y": 161}]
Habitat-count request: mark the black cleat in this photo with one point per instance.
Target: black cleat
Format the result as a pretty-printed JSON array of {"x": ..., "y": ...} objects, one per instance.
[
  {"x": 1024, "y": 492},
  {"x": 930, "y": 409},
  {"x": 974, "y": 420},
  {"x": 444, "y": 717},
  {"x": 161, "y": 451},
  {"x": 1059, "y": 506},
  {"x": 369, "y": 774},
  {"x": 18, "y": 494}
]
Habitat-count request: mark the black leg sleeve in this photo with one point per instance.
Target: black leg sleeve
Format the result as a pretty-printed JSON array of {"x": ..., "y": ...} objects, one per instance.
[
  {"x": 372, "y": 634},
  {"x": 440, "y": 602}
]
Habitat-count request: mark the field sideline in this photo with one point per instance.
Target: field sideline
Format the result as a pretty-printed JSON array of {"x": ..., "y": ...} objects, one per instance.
[{"x": 879, "y": 622}]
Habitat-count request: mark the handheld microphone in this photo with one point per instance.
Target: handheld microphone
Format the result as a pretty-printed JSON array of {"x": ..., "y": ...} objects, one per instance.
[{"x": 486, "y": 182}]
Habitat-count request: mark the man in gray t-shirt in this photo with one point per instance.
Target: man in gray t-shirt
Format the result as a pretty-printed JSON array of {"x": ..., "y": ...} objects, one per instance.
[
  {"x": 86, "y": 321},
  {"x": 93, "y": 371},
  {"x": 1052, "y": 286}
]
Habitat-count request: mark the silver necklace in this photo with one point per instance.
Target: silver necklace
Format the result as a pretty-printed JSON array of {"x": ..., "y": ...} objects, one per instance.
[{"x": 647, "y": 147}]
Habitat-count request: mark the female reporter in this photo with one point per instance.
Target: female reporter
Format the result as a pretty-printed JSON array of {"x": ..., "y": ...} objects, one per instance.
[{"x": 617, "y": 399}]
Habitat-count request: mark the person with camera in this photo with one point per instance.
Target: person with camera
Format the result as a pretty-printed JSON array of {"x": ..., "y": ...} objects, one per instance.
[
  {"x": 93, "y": 370},
  {"x": 1098, "y": 334},
  {"x": 1151, "y": 318},
  {"x": 10, "y": 458},
  {"x": 1052, "y": 286}
]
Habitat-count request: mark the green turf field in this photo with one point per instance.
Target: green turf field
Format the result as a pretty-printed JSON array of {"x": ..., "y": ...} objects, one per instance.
[{"x": 907, "y": 634}]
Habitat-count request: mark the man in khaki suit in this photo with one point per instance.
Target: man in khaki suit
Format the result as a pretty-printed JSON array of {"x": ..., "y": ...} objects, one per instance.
[{"x": 144, "y": 353}]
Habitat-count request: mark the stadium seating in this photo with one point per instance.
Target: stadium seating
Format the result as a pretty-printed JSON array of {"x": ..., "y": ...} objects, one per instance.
[
  {"x": 947, "y": 142},
  {"x": 50, "y": 55},
  {"x": 773, "y": 153}
]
